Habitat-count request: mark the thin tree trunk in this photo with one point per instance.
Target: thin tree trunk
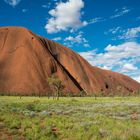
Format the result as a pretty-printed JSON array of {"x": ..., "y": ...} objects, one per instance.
[{"x": 57, "y": 95}]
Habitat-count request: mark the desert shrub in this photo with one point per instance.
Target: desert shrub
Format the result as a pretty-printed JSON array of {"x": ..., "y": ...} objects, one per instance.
[
  {"x": 134, "y": 137},
  {"x": 15, "y": 124},
  {"x": 30, "y": 106},
  {"x": 82, "y": 93}
]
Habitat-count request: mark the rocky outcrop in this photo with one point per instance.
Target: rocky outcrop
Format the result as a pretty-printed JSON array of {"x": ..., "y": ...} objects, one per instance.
[{"x": 27, "y": 60}]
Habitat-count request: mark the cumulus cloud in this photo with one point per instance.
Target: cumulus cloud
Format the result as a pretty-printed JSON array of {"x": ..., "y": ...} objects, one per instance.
[
  {"x": 66, "y": 15},
  {"x": 12, "y": 2},
  {"x": 121, "y": 58},
  {"x": 76, "y": 40},
  {"x": 128, "y": 68},
  {"x": 120, "y": 12}
]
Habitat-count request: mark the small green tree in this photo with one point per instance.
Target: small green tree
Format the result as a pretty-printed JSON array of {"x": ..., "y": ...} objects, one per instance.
[
  {"x": 56, "y": 85},
  {"x": 95, "y": 94},
  {"x": 82, "y": 93}
]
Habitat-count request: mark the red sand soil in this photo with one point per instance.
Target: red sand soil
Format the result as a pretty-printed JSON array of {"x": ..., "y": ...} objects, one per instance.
[{"x": 27, "y": 60}]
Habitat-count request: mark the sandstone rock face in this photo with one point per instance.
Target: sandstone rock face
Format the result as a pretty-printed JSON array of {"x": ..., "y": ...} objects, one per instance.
[{"x": 27, "y": 60}]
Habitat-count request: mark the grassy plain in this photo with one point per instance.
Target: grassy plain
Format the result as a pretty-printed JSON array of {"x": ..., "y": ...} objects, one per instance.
[{"x": 70, "y": 118}]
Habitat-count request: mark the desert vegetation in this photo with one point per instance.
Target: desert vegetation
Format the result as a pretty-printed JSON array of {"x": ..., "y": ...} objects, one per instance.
[
  {"x": 73, "y": 118},
  {"x": 56, "y": 85}
]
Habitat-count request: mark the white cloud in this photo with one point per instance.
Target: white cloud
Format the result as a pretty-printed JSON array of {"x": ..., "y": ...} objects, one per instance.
[
  {"x": 106, "y": 68},
  {"x": 128, "y": 68},
  {"x": 66, "y": 15},
  {"x": 95, "y": 20},
  {"x": 12, "y": 2},
  {"x": 137, "y": 78},
  {"x": 115, "y": 30},
  {"x": 131, "y": 33},
  {"x": 57, "y": 39},
  {"x": 120, "y": 12},
  {"x": 121, "y": 58},
  {"x": 86, "y": 45},
  {"x": 125, "y": 34},
  {"x": 76, "y": 40}
]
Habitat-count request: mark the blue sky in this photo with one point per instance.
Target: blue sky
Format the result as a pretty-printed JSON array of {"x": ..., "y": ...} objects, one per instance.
[{"x": 105, "y": 32}]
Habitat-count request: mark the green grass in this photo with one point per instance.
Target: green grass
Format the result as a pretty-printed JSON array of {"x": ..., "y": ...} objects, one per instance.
[{"x": 75, "y": 118}]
